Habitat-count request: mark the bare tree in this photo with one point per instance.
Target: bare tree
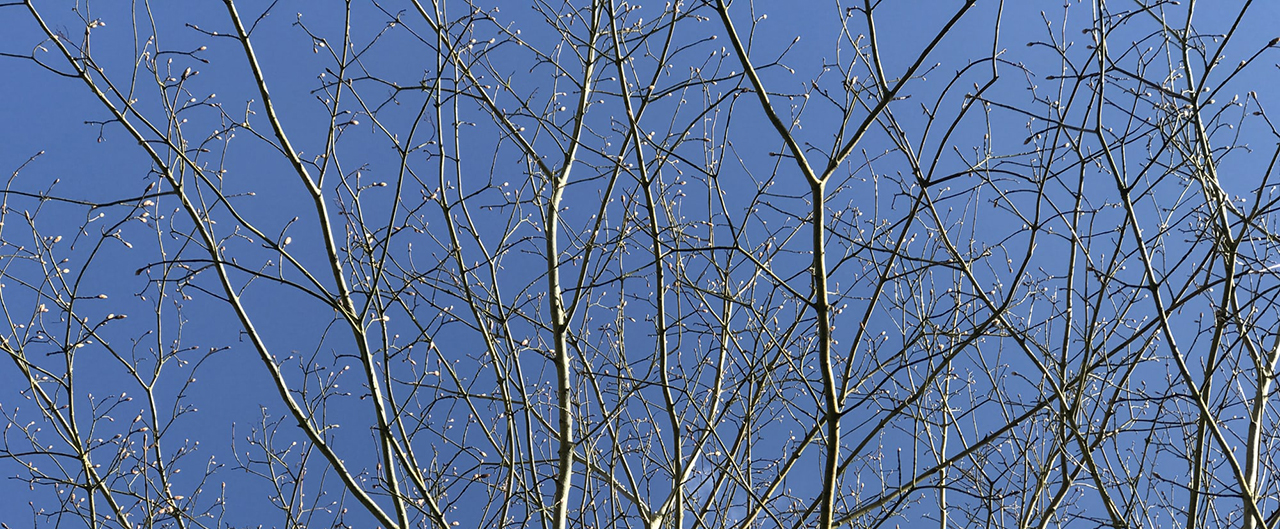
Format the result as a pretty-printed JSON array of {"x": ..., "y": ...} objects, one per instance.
[{"x": 602, "y": 264}]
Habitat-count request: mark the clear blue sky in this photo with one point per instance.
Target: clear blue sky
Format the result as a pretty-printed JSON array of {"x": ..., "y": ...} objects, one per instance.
[{"x": 60, "y": 118}]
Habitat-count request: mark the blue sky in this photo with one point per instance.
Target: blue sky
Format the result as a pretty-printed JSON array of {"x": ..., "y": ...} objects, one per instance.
[{"x": 218, "y": 373}]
